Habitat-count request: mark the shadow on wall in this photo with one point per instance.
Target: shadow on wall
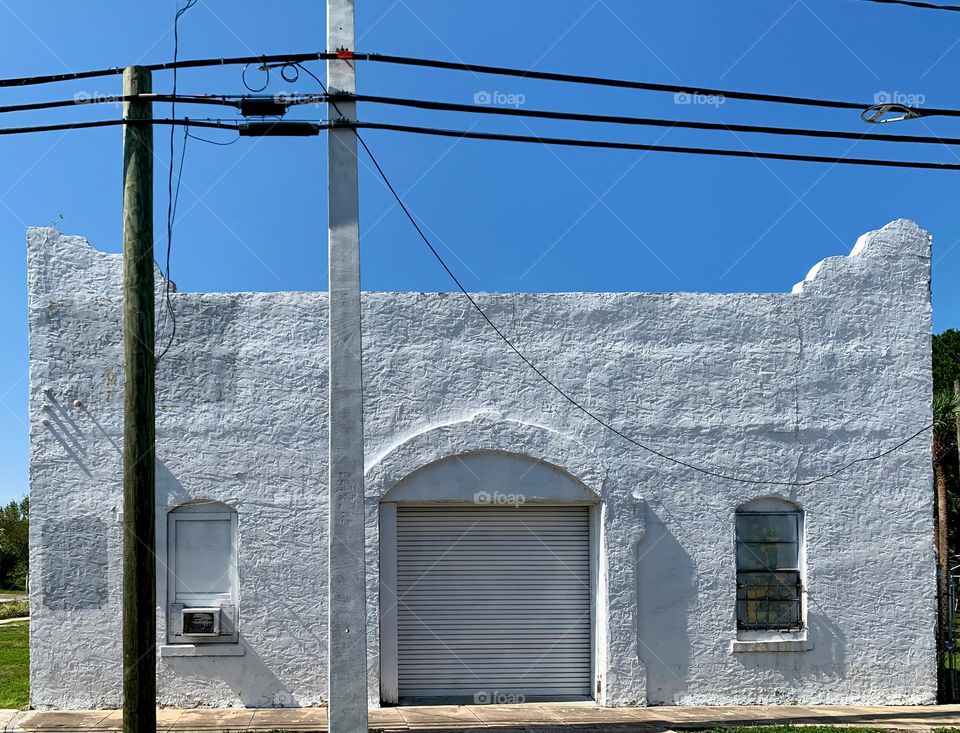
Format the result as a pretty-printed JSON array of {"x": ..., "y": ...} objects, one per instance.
[
  {"x": 250, "y": 680},
  {"x": 62, "y": 426},
  {"x": 666, "y": 589},
  {"x": 71, "y": 437},
  {"x": 831, "y": 643},
  {"x": 826, "y": 662},
  {"x": 170, "y": 491}
]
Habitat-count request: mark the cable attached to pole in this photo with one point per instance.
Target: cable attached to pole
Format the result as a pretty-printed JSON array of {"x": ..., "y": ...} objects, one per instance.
[
  {"x": 171, "y": 201},
  {"x": 559, "y": 390},
  {"x": 580, "y": 406}
]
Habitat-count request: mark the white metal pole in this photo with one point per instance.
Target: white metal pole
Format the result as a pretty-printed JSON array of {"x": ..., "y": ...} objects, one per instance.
[{"x": 347, "y": 637}]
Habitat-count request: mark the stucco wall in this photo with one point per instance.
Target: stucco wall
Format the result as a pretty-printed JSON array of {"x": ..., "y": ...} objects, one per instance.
[{"x": 781, "y": 387}]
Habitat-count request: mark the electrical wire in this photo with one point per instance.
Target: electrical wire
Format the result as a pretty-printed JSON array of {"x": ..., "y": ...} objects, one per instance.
[
  {"x": 916, "y": 4},
  {"x": 559, "y": 390},
  {"x": 586, "y": 411},
  {"x": 286, "y": 67},
  {"x": 626, "y": 120},
  {"x": 617, "y": 145},
  {"x": 630, "y": 84},
  {"x": 213, "y": 124},
  {"x": 569, "y": 142},
  {"x": 582, "y": 408},
  {"x": 290, "y": 100},
  {"x": 188, "y": 64},
  {"x": 171, "y": 201},
  {"x": 296, "y": 59},
  {"x": 167, "y": 281},
  {"x": 209, "y": 142},
  {"x": 80, "y": 100}
]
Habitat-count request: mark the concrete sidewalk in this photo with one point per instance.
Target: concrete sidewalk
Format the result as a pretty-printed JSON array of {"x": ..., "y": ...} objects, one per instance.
[{"x": 532, "y": 718}]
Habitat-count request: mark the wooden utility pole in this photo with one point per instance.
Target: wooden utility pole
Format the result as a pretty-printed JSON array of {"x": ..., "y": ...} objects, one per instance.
[
  {"x": 347, "y": 607},
  {"x": 139, "y": 480}
]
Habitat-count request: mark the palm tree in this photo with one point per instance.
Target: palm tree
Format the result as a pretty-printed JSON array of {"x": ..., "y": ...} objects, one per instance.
[{"x": 946, "y": 412}]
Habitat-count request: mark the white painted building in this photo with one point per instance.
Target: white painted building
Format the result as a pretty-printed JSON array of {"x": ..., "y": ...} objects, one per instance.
[{"x": 515, "y": 549}]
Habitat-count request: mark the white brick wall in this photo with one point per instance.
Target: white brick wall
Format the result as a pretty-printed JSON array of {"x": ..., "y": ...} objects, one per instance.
[{"x": 772, "y": 386}]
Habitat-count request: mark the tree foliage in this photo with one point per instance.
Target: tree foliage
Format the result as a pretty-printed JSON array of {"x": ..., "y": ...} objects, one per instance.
[
  {"x": 946, "y": 360},
  {"x": 14, "y": 544},
  {"x": 946, "y": 369}
]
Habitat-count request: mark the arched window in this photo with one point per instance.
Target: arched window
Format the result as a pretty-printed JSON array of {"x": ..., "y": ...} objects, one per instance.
[
  {"x": 769, "y": 575},
  {"x": 202, "y": 580}
]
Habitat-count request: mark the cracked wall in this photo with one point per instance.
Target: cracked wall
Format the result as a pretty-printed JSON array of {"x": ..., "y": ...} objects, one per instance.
[{"x": 779, "y": 387}]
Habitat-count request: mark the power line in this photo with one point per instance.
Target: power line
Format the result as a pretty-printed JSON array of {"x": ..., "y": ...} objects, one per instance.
[
  {"x": 108, "y": 123},
  {"x": 627, "y": 120},
  {"x": 917, "y": 4},
  {"x": 236, "y": 101},
  {"x": 80, "y": 100},
  {"x": 629, "y": 84},
  {"x": 187, "y": 64},
  {"x": 277, "y": 128},
  {"x": 296, "y": 59},
  {"x": 616, "y": 145}
]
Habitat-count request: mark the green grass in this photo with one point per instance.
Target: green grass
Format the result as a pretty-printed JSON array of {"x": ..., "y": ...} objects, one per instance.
[
  {"x": 14, "y": 609},
  {"x": 15, "y": 665},
  {"x": 791, "y": 729}
]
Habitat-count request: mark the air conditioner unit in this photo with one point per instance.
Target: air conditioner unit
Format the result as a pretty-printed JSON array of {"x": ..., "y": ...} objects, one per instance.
[{"x": 200, "y": 621}]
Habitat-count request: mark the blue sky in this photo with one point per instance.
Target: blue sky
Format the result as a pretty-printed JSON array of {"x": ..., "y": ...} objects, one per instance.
[{"x": 507, "y": 217}]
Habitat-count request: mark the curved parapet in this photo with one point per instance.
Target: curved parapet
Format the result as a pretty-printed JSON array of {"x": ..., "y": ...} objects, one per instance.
[
  {"x": 61, "y": 263},
  {"x": 898, "y": 249}
]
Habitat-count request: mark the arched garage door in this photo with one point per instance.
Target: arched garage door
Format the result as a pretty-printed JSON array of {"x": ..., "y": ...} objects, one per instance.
[{"x": 494, "y": 603}]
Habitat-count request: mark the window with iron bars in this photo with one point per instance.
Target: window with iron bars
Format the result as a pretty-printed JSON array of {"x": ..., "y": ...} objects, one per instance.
[{"x": 769, "y": 582}]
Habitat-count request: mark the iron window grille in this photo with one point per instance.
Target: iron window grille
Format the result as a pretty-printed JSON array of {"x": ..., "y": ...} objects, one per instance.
[{"x": 769, "y": 581}]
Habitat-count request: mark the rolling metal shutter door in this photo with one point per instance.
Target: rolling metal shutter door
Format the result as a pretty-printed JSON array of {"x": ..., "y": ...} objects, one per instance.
[{"x": 493, "y": 600}]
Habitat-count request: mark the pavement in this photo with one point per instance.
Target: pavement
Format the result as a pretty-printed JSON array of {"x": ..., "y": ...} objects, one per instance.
[{"x": 530, "y": 718}]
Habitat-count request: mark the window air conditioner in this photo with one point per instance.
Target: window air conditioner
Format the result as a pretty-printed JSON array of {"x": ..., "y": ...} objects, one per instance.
[{"x": 201, "y": 621}]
